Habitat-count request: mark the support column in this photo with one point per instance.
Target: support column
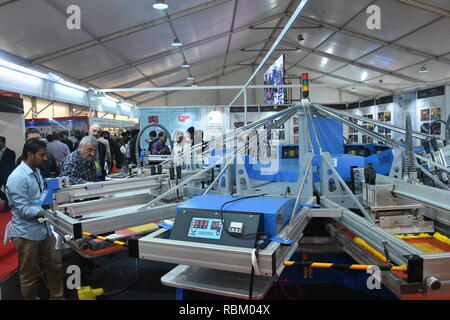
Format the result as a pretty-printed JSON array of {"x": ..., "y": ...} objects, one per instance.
[
  {"x": 33, "y": 107},
  {"x": 71, "y": 110}
]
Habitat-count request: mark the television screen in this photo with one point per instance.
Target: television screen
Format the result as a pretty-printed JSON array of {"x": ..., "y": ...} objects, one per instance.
[{"x": 275, "y": 76}]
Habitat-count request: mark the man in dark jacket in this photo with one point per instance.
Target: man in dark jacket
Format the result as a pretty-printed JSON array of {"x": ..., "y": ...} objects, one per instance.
[
  {"x": 65, "y": 139},
  {"x": 48, "y": 168},
  {"x": 153, "y": 139},
  {"x": 132, "y": 147},
  {"x": 7, "y": 160},
  {"x": 95, "y": 131},
  {"x": 115, "y": 150},
  {"x": 78, "y": 135}
]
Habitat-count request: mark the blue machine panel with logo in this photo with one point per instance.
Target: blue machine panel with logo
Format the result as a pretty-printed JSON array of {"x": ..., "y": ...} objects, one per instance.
[{"x": 205, "y": 228}]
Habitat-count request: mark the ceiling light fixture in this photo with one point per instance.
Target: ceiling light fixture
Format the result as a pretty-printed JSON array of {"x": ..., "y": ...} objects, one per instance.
[
  {"x": 300, "y": 37},
  {"x": 190, "y": 77},
  {"x": 160, "y": 5},
  {"x": 185, "y": 65},
  {"x": 263, "y": 50},
  {"x": 423, "y": 68},
  {"x": 353, "y": 89},
  {"x": 176, "y": 43}
]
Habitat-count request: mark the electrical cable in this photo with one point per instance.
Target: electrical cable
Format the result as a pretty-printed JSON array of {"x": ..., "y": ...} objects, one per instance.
[
  {"x": 252, "y": 273},
  {"x": 129, "y": 285},
  {"x": 257, "y": 246},
  {"x": 280, "y": 283},
  {"x": 223, "y": 220}
]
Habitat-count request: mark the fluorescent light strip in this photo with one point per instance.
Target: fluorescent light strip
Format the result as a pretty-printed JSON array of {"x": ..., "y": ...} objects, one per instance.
[{"x": 16, "y": 67}]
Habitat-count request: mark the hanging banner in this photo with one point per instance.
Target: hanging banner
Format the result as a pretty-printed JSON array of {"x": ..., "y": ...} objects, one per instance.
[{"x": 9, "y": 94}]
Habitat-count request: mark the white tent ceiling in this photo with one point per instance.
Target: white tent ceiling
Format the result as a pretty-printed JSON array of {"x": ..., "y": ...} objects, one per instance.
[{"x": 128, "y": 43}]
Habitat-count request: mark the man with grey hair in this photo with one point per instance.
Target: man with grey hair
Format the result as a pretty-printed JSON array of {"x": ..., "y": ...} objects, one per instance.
[{"x": 79, "y": 166}]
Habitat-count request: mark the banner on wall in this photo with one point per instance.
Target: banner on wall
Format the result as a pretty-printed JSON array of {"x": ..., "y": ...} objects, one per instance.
[
  {"x": 47, "y": 126},
  {"x": 430, "y": 112},
  {"x": 11, "y": 104},
  {"x": 214, "y": 125},
  {"x": 173, "y": 119},
  {"x": 9, "y": 94}
]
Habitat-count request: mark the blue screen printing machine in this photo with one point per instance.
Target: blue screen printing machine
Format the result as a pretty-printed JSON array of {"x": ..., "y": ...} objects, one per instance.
[{"x": 235, "y": 223}]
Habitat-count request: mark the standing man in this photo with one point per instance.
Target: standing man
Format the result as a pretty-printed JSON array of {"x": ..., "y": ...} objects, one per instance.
[
  {"x": 131, "y": 150},
  {"x": 178, "y": 149},
  {"x": 7, "y": 160},
  {"x": 95, "y": 131},
  {"x": 78, "y": 136},
  {"x": 65, "y": 139},
  {"x": 58, "y": 149},
  {"x": 108, "y": 157},
  {"x": 34, "y": 242},
  {"x": 79, "y": 166},
  {"x": 153, "y": 139},
  {"x": 48, "y": 168}
]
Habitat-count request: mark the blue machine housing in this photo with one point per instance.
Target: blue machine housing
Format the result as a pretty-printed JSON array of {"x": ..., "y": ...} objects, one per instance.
[
  {"x": 288, "y": 168},
  {"x": 382, "y": 161},
  {"x": 276, "y": 211}
]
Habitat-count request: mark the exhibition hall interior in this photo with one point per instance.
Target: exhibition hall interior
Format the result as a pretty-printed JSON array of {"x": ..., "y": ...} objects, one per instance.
[{"x": 232, "y": 150}]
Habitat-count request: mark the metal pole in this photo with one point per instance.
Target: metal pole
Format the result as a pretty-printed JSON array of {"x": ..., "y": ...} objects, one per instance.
[
  {"x": 275, "y": 44},
  {"x": 303, "y": 172},
  {"x": 245, "y": 106},
  {"x": 398, "y": 129},
  {"x": 229, "y": 136},
  {"x": 276, "y": 124}
]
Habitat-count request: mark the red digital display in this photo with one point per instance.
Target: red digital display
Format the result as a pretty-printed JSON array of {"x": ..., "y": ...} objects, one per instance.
[
  {"x": 201, "y": 224},
  {"x": 202, "y": 228},
  {"x": 216, "y": 225}
]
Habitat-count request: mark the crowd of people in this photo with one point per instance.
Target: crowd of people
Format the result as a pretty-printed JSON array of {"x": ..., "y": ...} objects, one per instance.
[{"x": 89, "y": 159}]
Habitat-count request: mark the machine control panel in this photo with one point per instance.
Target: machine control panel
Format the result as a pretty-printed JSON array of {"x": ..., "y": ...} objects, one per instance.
[
  {"x": 206, "y": 228},
  {"x": 227, "y": 228}
]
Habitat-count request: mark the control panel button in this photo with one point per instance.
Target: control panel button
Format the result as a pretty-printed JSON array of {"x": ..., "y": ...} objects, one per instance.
[{"x": 236, "y": 227}]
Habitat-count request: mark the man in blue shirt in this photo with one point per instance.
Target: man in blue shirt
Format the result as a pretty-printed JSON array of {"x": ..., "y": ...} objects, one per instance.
[{"x": 34, "y": 242}]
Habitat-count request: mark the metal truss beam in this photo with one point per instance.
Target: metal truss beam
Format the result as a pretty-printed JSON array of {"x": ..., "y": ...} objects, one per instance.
[
  {"x": 165, "y": 73},
  {"x": 376, "y": 40},
  {"x": 351, "y": 62},
  {"x": 293, "y": 4},
  {"x": 186, "y": 46},
  {"x": 140, "y": 103},
  {"x": 125, "y": 32},
  {"x": 7, "y": 2},
  {"x": 427, "y": 7},
  {"x": 335, "y": 76}
]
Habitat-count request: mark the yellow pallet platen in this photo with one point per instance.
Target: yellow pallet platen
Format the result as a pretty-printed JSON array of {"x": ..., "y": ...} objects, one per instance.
[
  {"x": 144, "y": 227},
  {"x": 412, "y": 236},
  {"x": 441, "y": 238},
  {"x": 429, "y": 243}
]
